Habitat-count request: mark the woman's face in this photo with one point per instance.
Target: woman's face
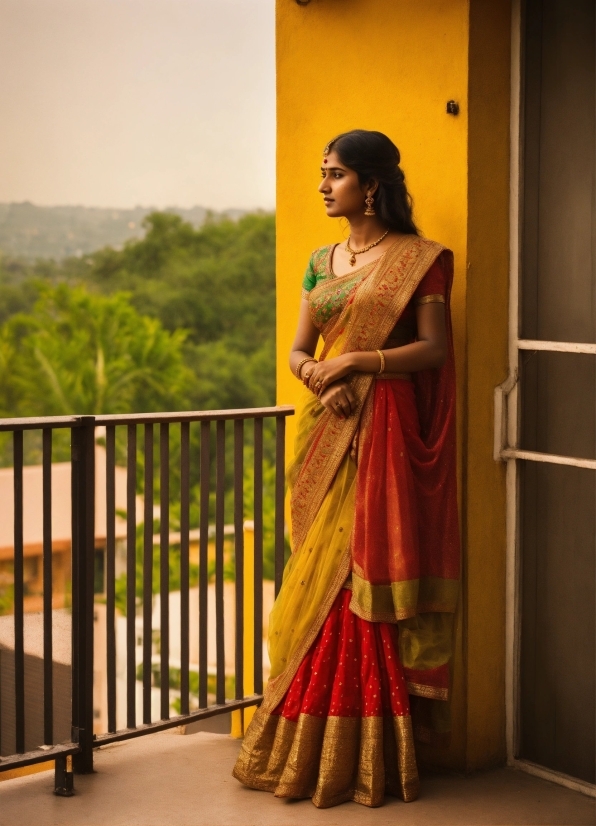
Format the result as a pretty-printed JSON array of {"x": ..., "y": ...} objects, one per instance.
[{"x": 342, "y": 193}]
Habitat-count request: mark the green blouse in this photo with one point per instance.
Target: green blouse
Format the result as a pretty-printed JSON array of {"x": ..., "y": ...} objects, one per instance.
[
  {"x": 431, "y": 288},
  {"x": 316, "y": 270}
]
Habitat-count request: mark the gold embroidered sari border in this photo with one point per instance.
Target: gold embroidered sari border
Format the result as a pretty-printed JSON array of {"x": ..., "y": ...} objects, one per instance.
[
  {"x": 331, "y": 439},
  {"x": 402, "y": 600},
  {"x": 428, "y": 691},
  {"x": 380, "y": 616}
]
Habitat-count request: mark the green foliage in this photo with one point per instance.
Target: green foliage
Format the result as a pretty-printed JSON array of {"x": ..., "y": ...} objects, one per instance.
[
  {"x": 98, "y": 324},
  {"x": 215, "y": 282},
  {"x": 228, "y": 378},
  {"x": 85, "y": 353},
  {"x": 6, "y": 598}
]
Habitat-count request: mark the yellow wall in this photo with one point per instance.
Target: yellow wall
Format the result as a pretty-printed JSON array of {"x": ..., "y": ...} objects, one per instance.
[
  {"x": 25, "y": 771},
  {"x": 392, "y": 66}
]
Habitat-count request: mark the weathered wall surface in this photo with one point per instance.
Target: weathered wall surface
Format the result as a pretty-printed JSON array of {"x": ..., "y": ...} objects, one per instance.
[{"x": 344, "y": 64}]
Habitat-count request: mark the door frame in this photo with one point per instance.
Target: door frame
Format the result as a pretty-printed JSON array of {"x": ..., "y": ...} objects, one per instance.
[{"x": 507, "y": 425}]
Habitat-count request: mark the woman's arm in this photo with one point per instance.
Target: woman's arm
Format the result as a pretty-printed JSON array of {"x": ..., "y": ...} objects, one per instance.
[
  {"x": 338, "y": 398},
  {"x": 430, "y": 350},
  {"x": 305, "y": 340}
]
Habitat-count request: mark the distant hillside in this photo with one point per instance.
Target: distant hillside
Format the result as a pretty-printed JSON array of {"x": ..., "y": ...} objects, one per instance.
[{"x": 30, "y": 232}]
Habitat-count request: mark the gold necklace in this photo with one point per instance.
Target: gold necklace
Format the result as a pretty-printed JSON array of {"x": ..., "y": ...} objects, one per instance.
[{"x": 354, "y": 253}]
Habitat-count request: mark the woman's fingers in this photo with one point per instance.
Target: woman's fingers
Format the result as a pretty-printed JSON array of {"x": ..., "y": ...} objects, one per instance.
[
  {"x": 309, "y": 380},
  {"x": 350, "y": 397},
  {"x": 315, "y": 380},
  {"x": 320, "y": 382},
  {"x": 343, "y": 404},
  {"x": 321, "y": 376},
  {"x": 306, "y": 378},
  {"x": 337, "y": 401},
  {"x": 346, "y": 398},
  {"x": 339, "y": 408},
  {"x": 329, "y": 400}
]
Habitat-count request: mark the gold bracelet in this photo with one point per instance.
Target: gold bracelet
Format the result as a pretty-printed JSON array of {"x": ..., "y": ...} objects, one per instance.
[
  {"x": 382, "y": 357},
  {"x": 300, "y": 364}
]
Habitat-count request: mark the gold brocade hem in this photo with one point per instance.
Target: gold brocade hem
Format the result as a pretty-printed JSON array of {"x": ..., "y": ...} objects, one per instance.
[
  {"x": 402, "y": 600},
  {"x": 330, "y": 759},
  {"x": 379, "y": 616},
  {"x": 431, "y": 692}
]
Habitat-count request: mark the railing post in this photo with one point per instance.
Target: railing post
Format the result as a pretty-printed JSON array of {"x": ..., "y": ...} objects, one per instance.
[
  {"x": 63, "y": 779},
  {"x": 83, "y": 547},
  {"x": 280, "y": 478}
]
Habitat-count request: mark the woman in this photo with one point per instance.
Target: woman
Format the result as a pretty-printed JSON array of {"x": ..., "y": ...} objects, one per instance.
[{"x": 360, "y": 634}]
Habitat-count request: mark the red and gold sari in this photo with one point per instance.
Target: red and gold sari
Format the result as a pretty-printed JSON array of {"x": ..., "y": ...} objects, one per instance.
[{"x": 360, "y": 634}]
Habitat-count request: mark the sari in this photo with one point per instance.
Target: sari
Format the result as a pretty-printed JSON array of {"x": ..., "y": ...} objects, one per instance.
[{"x": 360, "y": 634}]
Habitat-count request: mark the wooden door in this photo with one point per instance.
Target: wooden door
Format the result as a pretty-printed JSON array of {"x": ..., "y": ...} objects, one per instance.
[{"x": 557, "y": 389}]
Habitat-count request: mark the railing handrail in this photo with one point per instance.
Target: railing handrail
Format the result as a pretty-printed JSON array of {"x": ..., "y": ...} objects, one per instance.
[{"x": 39, "y": 422}]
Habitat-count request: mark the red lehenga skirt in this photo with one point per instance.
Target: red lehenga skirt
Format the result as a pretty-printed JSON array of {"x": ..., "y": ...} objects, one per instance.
[{"x": 343, "y": 730}]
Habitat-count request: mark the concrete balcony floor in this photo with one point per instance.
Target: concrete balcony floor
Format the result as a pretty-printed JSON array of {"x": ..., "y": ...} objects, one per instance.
[{"x": 185, "y": 781}]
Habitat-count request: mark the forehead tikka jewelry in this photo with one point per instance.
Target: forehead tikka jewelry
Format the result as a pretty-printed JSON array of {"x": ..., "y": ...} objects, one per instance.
[{"x": 327, "y": 149}]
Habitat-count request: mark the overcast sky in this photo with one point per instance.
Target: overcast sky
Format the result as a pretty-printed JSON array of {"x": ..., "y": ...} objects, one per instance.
[{"x": 150, "y": 102}]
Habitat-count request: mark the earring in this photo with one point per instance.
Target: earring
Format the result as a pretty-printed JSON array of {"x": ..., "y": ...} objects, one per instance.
[{"x": 369, "y": 201}]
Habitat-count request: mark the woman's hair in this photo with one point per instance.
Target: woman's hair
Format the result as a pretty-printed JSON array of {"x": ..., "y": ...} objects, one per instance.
[{"x": 374, "y": 155}]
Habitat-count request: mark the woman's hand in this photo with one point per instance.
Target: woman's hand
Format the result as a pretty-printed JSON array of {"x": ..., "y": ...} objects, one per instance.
[
  {"x": 339, "y": 398},
  {"x": 319, "y": 376}
]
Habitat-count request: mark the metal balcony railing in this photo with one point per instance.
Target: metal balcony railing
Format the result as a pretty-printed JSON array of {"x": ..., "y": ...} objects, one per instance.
[{"x": 200, "y": 442}]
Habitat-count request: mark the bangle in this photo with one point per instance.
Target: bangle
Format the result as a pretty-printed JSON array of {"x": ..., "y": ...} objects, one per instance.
[
  {"x": 300, "y": 364},
  {"x": 382, "y": 357}
]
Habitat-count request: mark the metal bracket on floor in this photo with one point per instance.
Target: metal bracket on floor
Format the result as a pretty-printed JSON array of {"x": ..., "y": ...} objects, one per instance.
[{"x": 63, "y": 776}]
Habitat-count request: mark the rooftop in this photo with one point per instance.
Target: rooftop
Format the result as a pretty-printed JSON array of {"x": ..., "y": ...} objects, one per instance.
[
  {"x": 186, "y": 781},
  {"x": 61, "y": 505}
]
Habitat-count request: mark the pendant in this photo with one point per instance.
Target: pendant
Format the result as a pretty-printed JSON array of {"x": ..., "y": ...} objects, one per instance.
[{"x": 352, "y": 259}]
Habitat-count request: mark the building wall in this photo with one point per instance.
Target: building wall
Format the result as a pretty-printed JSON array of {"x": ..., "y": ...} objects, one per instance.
[
  {"x": 344, "y": 64},
  {"x": 34, "y": 710}
]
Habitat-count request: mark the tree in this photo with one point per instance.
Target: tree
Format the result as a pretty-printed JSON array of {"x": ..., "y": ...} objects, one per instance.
[
  {"x": 217, "y": 283},
  {"x": 83, "y": 353}
]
